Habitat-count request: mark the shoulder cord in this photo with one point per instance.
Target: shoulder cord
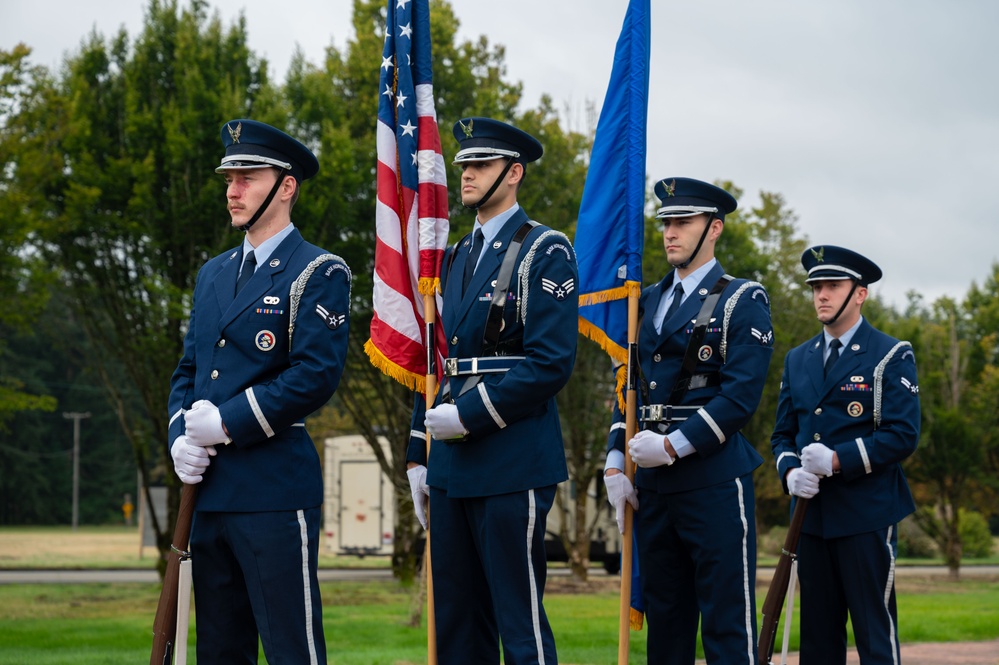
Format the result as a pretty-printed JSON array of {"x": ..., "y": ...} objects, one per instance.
[
  {"x": 524, "y": 271},
  {"x": 879, "y": 375},
  {"x": 298, "y": 286},
  {"x": 730, "y": 307}
]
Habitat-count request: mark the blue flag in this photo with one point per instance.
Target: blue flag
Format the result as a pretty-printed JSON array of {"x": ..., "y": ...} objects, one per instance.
[
  {"x": 611, "y": 228},
  {"x": 610, "y": 233}
]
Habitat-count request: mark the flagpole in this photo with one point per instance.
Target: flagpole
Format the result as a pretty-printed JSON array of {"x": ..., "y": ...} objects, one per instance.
[
  {"x": 630, "y": 425},
  {"x": 429, "y": 319}
]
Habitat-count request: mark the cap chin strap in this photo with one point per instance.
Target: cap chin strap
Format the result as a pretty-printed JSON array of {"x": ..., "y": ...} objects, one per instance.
[
  {"x": 492, "y": 190},
  {"x": 843, "y": 306},
  {"x": 699, "y": 243},
  {"x": 270, "y": 197}
]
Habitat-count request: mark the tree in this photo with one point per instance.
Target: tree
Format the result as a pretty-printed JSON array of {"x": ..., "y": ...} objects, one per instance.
[
  {"x": 958, "y": 400},
  {"x": 110, "y": 167},
  {"x": 25, "y": 294},
  {"x": 335, "y": 106}
]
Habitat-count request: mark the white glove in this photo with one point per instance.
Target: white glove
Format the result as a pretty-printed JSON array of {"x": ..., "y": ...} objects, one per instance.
[
  {"x": 443, "y": 423},
  {"x": 418, "y": 488},
  {"x": 802, "y": 483},
  {"x": 619, "y": 490},
  {"x": 204, "y": 424},
  {"x": 648, "y": 449},
  {"x": 817, "y": 458},
  {"x": 190, "y": 461}
]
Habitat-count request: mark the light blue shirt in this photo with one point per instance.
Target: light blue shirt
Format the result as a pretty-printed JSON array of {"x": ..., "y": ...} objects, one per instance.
[
  {"x": 267, "y": 247},
  {"x": 844, "y": 339},
  {"x": 492, "y": 228},
  {"x": 690, "y": 283}
]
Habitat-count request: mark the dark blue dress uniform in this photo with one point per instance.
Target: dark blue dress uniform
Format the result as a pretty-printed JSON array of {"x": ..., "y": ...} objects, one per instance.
[
  {"x": 695, "y": 525},
  {"x": 866, "y": 410},
  {"x": 267, "y": 357},
  {"x": 491, "y": 491}
]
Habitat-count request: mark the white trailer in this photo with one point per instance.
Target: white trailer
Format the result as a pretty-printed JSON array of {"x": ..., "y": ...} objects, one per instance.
[
  {"x": 358, "y": 505},
  {"x": 359, "y": 509}
]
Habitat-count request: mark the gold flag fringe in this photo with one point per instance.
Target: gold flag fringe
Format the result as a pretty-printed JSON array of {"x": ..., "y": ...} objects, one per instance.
[
  {"x": 636, "y": 619},
  {"x": 617, "y": 293},
  {"x": 622, "y": 378},
  {"x": 429, "y": 285},
  {"x": 413, "y": 381},
  {"x": 606, "y": 343}
]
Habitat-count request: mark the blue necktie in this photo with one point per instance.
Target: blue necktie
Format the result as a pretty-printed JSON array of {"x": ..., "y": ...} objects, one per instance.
[
  {"x": 249, "y": 265},
  {"x": 833, "y": 356},
  {"x": 472, "y": 259},
  {"x": 675, "y": 305}
]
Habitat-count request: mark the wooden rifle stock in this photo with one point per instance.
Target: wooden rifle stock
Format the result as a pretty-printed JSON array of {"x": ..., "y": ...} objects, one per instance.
[
  {"x": 165, "y": 624},
  {"x": 778, "y": 586}
]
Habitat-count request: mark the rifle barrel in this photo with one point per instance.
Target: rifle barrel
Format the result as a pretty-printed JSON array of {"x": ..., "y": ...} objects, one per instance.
[
  {"x": 778, "y": 585},
  {"x": 165, "y": 623}
]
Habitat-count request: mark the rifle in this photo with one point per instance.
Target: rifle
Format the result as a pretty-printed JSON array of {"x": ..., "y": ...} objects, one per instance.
[
  {"x": 165, "y": 624},
  {"x": 778, "y": 586}
]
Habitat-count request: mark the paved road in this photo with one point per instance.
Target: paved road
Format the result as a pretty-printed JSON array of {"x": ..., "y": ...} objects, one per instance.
[{"x": 341, "y": 574}]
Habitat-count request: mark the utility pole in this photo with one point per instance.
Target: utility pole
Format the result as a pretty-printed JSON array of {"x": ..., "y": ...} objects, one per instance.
[{"x": 76, "y": 417}]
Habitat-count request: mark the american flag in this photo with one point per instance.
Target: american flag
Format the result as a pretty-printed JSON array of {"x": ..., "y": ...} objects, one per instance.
[{"x": 411, "y": 212}]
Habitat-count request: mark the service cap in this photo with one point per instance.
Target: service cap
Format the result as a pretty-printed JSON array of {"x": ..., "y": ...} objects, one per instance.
[
  {"x": 685, "y": 197},
  {"x": 483, "y": 139},
  {"x": 828, "y": 262},
  {"x": 255, "y": 145}
]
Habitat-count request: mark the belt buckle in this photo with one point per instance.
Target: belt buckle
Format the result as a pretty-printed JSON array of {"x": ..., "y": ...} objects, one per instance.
[{"x": 450, "y": 367}]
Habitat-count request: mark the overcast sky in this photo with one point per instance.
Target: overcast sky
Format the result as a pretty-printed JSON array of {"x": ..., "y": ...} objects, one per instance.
[{"x": 878, "y": 120}]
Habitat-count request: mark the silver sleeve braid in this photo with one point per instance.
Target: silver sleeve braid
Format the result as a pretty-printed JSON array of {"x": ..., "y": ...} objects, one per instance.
[
  {"x": 730, "y": 307},
  {"x": 879, "y": 375},
  {"x": 524, "y": 271},
  {"x": 298, "y": 286}
]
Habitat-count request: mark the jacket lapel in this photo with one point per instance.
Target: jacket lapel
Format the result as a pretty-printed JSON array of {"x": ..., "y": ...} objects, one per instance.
[
  {"x": 814, "y": 363},
  {"x": 262, "y": 280},
  {"x": 692, "y": 305},
  {"x": 488, "y": 268},
  {"x": 224, "y": 282},
  {"x": 850, "y": 359}
]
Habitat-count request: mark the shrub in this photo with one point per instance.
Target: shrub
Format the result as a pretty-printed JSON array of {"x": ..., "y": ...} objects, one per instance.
[
  {"x": 976, "y": 540},
  {"x": 913, "y": 543}
]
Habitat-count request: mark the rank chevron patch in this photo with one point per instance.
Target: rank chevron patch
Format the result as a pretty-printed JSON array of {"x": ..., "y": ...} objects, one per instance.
[
  {"x": 332, "y": 319},
  {"x": 558, "y": 291}
]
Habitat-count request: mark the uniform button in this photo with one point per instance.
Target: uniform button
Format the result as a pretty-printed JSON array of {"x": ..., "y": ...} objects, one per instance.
[
  {"x": 657, "y": 357},
  {"x": 454, "y": 340},
  {"x": 652, "y": 385},
  {"x": 221, "y": 343},
  {"x": 215, "y": 374},
  {"x": 816, "y": 437},
  {"x": 818, "y": 411}
]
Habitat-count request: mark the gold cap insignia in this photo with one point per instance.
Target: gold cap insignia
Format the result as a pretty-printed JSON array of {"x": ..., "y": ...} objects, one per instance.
[
  {"x": 819, "y": 255},
  {"x": 467, "y": 128},
  {"x": 234, "y": 133},
  {"x": 670, "y": 188}
]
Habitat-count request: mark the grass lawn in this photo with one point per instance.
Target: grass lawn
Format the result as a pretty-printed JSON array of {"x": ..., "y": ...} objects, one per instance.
[{"x": 365, "y": 622}]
